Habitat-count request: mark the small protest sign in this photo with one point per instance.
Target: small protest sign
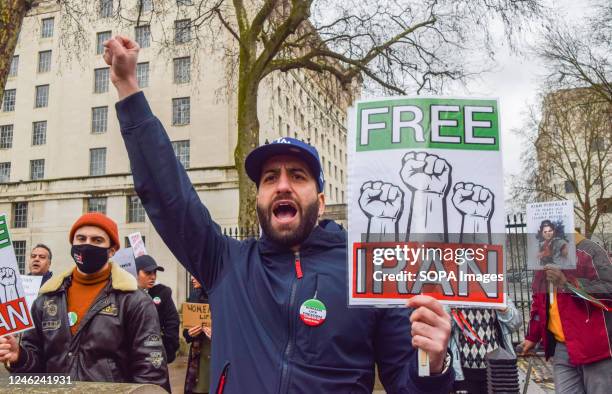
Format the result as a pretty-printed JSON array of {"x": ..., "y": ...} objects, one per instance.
[
  {"x": 31, "y": 286},
  {"x": 426, "y": 203},
  {"x": 196, "y": 314},
  {"x": 14, "y": 313},
  {"x": 125, "y": 258},
  {"x": 550, "y": 228},
  {"x": 137, "y": 244}
]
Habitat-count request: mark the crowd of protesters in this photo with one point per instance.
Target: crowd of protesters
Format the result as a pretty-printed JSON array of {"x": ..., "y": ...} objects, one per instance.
[{"x": 96, "y": 322}]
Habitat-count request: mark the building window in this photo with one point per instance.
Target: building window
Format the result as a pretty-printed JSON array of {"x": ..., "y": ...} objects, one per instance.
[
  {"x": 181, "y": 111},
  {"x": 8, "y": 102},
  {"x": 42, "y": 96},
  {"x": 14, "y": 66},
  {"x": 135, "y": 210},
  {"x": 101, "y": 80},
  {"x": 96, "y": 204},
  {"x": 37, "y": 169},
  {"x": 105, "y": 9},
  {"x": 44, "y": 61},
  {"x": 569, "y": 187},
  {"x": 182, "y": 31},
  {"x": 6, "y": 136},
  {"x": 181, "y": 150},
  {"x": 142, "y": 74},
  {"x": 20, "y": 255},
  {"x": 20, "y": 214},
  {"x": 342, "y": 196},
  {"x": 337, "y": 200},
  {"x": 280, "y": 126},
  {"x": 47, "y": 28},
  {"x": 100, "y": 38},
  {"x": 182, "y": 70},
  {"x": 99, "y": 119},
  {"x": 146, "y": 5},
  {"x": 184, "y": 2},
  {"x": 5, "y": 172},
  {"x": 143, "y": 36},
  {"x": 97, "y": 161},
  {"x": 39, "y": 133}
]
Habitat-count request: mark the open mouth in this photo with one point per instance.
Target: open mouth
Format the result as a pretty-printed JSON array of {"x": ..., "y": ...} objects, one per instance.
[{"x": 284, "y": 211}]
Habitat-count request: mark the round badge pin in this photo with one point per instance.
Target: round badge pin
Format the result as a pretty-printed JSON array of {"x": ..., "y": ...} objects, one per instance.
[
  {"x": 72, "y": 318},
  {"x": 156, "y": 300},
  {"x": 313, "y": 312}
]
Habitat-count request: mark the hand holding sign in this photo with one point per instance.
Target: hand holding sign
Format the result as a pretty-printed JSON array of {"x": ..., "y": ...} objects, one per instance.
[
  {"x": 431, "y": 329},
  {"x": 555, "y": 275},
  {"x": 9, "y": 349}
]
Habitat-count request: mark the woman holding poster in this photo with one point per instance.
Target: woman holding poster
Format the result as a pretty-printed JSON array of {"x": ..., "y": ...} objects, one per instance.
[{"x": 197, "y": 379}]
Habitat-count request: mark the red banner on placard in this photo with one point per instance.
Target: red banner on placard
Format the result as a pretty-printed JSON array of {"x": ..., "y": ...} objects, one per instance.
[
  {"x": 450, "y": 272},
  {"x": 15, "y": 316}
]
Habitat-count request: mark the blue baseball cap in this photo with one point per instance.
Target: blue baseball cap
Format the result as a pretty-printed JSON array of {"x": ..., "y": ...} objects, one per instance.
[{"x": 284, "y": 146}]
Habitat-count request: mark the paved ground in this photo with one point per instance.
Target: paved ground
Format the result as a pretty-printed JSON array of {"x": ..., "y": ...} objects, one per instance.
[{"x": 540, "y": 382}]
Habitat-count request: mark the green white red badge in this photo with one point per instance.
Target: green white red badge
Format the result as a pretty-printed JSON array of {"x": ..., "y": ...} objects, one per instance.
[
  {"x": 313, "y": 312},
  {"x": 156, "y": 300},
  {"x": 72, "y": 318}
]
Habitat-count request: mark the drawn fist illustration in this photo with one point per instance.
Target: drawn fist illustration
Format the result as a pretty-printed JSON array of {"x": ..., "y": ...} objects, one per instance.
[
  {"x": 381, "y": 200},
  {"x": 425, "y": 172},
  {"x": 473, "y": 200},
  {"x": 8, "y": 285}
]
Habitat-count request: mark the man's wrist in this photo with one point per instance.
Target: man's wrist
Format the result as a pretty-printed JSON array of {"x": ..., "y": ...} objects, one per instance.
[
  {"x": 444, "y": 365},
  {"x": 126, "y": 88}
]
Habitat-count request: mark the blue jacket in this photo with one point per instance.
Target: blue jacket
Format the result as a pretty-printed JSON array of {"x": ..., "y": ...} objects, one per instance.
[{"x": 259, "y": 342}]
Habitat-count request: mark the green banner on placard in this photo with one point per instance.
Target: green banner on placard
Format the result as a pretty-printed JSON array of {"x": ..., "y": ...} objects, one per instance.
[{"x": 427, "y": 123}]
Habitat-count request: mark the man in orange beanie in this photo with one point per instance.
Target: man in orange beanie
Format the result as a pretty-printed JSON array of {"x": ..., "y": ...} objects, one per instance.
[{"x": 92, "y": 315}]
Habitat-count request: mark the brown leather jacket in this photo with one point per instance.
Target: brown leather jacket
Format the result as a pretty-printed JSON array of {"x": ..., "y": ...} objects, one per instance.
[{"x": 118, "y": 340}]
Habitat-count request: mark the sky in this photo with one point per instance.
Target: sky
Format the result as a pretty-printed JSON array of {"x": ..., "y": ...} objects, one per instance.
[{"x": 515, "y": 82}]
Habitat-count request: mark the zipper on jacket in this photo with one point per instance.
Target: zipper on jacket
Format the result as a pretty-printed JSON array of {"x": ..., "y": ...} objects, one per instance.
[
  {"x": 289, "y": 347},
  {"x": 222, "y": 379},
  {"x": 298, "y": 266}
]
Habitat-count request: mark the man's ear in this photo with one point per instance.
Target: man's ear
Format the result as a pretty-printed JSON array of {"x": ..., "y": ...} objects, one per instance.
[
  {"x": 321, "y": 197},
  {"x": 112, "y": 251}
]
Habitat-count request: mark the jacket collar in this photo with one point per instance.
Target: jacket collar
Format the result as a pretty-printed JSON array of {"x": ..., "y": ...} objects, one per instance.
[
  {"x": 120, "y": 280},
  {"x": 327, "y": 234}
]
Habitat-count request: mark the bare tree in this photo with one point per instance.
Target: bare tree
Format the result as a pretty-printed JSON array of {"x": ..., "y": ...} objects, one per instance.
[
  {"x": 577, "y": 54},
  {"x": 12, "y": 13},
  {"x": 399, "y": 46},
  {"x": 571, "y": 155}
]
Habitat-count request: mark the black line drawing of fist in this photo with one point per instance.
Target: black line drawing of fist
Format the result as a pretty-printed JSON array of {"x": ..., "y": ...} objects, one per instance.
[
  {"x": 425, "y": 172},
  {"x": 8, "y": 285},
  {"x": 381, "y": 200},
  {"x": 473, "y": 200}
]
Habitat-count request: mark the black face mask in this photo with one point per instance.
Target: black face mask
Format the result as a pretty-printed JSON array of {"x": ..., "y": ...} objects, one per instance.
[{"x": 89, "y": 258}]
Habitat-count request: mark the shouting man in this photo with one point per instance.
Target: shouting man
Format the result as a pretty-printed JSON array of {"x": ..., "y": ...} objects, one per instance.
[{"x": 279, "y": 303}]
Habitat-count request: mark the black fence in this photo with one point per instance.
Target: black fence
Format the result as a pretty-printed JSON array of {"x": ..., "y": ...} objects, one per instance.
[{"x": 518, "y": 277}]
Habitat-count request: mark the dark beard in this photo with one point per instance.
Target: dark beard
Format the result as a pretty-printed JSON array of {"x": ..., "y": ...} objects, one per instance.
[{"x": 310, "y": 215}]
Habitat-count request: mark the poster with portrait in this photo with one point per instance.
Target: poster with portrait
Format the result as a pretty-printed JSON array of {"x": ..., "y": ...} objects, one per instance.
[
  {"x": 550, "y": 235},
  {"x": 425, "y": 201}
]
